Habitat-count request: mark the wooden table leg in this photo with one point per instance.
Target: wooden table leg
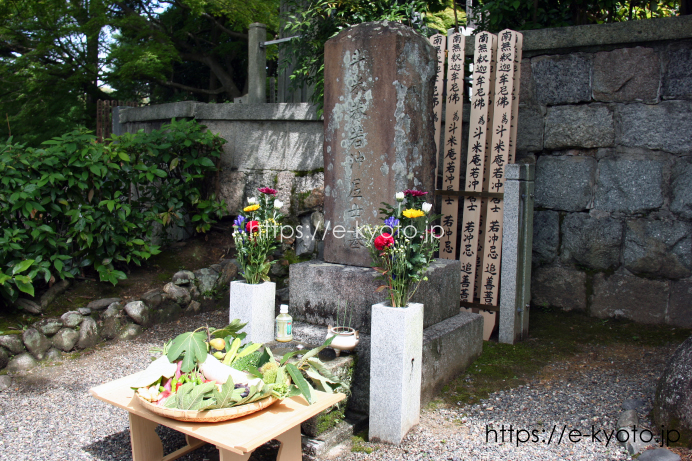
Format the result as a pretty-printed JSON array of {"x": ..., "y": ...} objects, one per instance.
[
  {"x": 291, "y": 445},
  {"x": 227, "y": 455},
  {"x": 146, "y": 444}
]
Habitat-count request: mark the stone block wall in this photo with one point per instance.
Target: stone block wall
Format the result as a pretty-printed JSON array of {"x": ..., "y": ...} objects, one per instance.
[{"x": 609, "y": 126}]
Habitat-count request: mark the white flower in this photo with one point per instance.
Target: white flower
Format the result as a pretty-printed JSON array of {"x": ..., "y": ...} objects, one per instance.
[
  {"x": 427, "y": 207},
  {"x": 252, "y": 200},
  {"x": 399, "y": 196},
  {"x": 278, "y": 204}
]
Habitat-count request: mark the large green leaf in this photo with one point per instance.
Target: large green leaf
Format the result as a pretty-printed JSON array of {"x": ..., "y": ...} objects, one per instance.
[
  {"x": 300, "y": 381},
  {"x": 192, "y": 346},
  {"x": 228, "y": 395},
  {"x": 22, "y": 266}
]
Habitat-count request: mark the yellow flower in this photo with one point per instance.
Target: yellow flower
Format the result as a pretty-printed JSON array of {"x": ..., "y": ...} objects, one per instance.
[
  {"x": 254, "y": 207},
  {"x": 413, "y": 213}
]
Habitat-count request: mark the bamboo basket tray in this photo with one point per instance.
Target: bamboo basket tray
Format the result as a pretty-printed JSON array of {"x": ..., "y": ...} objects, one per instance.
[{"x": 209, "y": 416}]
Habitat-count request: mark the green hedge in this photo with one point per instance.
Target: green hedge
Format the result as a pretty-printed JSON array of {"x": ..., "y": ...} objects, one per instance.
[{"x": 76, "y": 205}]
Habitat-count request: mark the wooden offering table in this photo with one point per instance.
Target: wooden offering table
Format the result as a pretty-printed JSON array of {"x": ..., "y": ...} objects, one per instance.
[{"x": 236, "y": 439}]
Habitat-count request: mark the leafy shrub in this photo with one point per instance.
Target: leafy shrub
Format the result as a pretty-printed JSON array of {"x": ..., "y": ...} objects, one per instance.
[{"x": 76, "y": 204}]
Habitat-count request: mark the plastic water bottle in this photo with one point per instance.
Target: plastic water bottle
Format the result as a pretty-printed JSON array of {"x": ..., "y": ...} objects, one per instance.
[{"x": 284, "y": 325}]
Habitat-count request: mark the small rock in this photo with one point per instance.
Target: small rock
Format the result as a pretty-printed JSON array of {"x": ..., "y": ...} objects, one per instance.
[
  {"x": 194, "y": 293},
  {"x": 153, "y": 298},
  {"x": 317, "y": 221},
  {"x": 101, "y": 304},
  {"x": 28, "y": 305},
  {"x": 84, "y": 311},
  {"x": 633, "y": 404},
  {"x": 88, "y": 334},
  {"x": 53, "y": 292},
  {"x": 227, "y": 274},
  {"x": 194, "y": 308},
  {"x": 48, "y": 326},
  {"x": 53, "y": 355},
  {"x": 216, "y": 268},
  {"x": 12, "y": 343},
  {"x": 4, "y": 357},
  {"x": 5, "y": 382},
  {"x": 628, "y": 419},
  {"x": 71, "y": 319},
  {"x": 206, "y": 280},
  {"x": 21, "y": 362},
  {"x": 111, "y": 327},
  {"x": 139, "y": 312},
  {"x": 183, "y": 278},
  {"x": 65, "y": 339},
  {"x": 631, "y": 440},
  {"x": 177, "y": 294},
  {"x": 36, "y": 342},
  {"x": 114, "y": 310},
  {"x": 131, "y": 331},
  {"x": 659, "y": 454}
]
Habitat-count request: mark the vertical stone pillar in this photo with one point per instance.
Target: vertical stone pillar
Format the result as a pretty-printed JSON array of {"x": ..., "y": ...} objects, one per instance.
[
  {"x": 396, "y": 354},
  {"x": 517, "y": 240},
  {"x": 379, "y": 79},
  {"x": 257, "y": 64}
]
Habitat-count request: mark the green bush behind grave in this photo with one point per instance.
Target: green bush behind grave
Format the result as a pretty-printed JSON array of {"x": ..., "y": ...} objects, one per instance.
[{"x": 75, "y": 204}]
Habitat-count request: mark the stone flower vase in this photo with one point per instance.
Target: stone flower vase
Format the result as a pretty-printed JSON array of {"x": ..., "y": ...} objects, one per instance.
[
  {"x": 396, "y": 353},
  {"x": 254, "y": 304},
  {"x": 346, "y": 339}
]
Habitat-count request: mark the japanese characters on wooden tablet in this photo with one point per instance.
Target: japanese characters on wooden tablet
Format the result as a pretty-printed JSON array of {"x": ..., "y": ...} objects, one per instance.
[{"x": 451, "y": 162}]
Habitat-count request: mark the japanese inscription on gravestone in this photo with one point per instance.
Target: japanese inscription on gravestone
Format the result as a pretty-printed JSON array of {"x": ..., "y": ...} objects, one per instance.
[{"x": 378, "y": 137}]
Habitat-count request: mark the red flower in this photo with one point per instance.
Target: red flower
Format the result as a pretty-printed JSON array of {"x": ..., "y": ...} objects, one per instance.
[
  {"x": 414, "y": 193},
  {"x": 252, "y": 226},
  {"x": 267, "y": 190},
  {"x": 384, "y": 241}
]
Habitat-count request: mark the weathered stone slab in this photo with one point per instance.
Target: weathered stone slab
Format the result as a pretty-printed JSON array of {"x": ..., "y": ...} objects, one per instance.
[
  {"x": 677, "y": 78},
  {"x": 546, "y": 236},
  {"x": 378, "y": 128},
  {"x": 564, "y": 79},
  {"x": 593, "y": 242},
  {"x": 527, "y": 89},
  {"x": 579, "y": 126},
  {"x": 317, "y": 289},
  {"x": 658, "y": 248},
  {"x": 449, "y": 347},
  {"x": 680, "y": 307},
  {"x": 530, "y": 129},
  {"x": 634, "y": 298},
  {"x": 555, "y": 286},
  {"x": 100, "y": 304},
  {"x": 682, "y": 192},
  {"x": 663, "y": 126},
  {"x": 630, "y": 184},
  {"x": 565, "y": 182},
  {"x": 626, "y": 75}
]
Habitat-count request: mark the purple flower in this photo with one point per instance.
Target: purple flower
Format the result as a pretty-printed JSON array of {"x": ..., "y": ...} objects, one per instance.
[
  {"x": 392, "y": 223},
  {"x": 239, "y": 222}
]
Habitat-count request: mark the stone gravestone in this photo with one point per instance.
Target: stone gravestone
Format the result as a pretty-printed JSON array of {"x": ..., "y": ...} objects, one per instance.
[{"x": 379, "y": 80}]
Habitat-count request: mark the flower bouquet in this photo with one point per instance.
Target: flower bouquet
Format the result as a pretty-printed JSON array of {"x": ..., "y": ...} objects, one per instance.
[
  {"x": 403, "y": 247},
  {"x": 210, "y": 375},
  {"x": 255, "y": 232}
]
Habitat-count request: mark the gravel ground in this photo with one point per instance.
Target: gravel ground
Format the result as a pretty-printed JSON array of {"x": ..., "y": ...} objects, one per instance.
[{"x": 48, "y": 414}]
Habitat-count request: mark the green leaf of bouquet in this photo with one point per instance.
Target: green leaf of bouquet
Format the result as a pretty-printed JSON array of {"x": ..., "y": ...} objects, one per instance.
[
  {"x": 300, "y": 381},
  {"x": 192, "y": 346}
]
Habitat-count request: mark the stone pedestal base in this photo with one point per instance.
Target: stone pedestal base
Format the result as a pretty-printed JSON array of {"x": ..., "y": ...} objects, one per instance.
[
  {"x": 396, "y": 350},
  {"x": 317, "y": 289},
  {"x": 254, "y": 304}
]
